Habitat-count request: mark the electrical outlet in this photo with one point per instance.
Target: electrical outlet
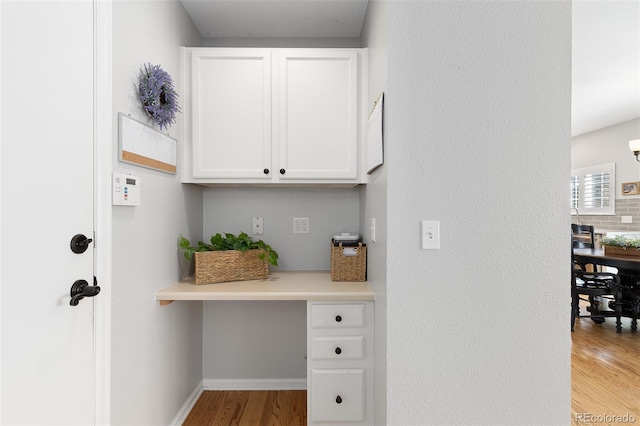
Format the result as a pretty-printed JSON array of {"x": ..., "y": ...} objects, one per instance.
[{"x": 300, "y": 225}]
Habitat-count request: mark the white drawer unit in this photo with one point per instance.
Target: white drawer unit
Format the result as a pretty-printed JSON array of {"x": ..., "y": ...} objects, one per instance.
[
  {"x": 340, "y": 363},
  {"x": 338, "y": 395}
]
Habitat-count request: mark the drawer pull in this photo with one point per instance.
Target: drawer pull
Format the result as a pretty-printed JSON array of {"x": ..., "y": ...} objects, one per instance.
[
  {"x": 338, "y": 350},
  {"x": 338, "y": 400},
  {"x": 338, "y": 318}
]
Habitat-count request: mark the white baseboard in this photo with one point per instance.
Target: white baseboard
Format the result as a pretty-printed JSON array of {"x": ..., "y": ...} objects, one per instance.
[
  {"x": 254, "y": 384},
  {"x": 187, "y": 406}
]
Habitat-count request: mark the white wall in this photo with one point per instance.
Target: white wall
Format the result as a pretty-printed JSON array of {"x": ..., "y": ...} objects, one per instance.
[
  {"x": 609, "y": 145},
  {"x": 156, "y": 351},
  {"x": 280, "y": 353},
  {"x": 373, "y": 201},
  {"x": 478, "y": 130}
]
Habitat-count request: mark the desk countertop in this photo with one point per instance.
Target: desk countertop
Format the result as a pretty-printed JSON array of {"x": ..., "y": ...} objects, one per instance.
[{"x": 282, "y": 285}]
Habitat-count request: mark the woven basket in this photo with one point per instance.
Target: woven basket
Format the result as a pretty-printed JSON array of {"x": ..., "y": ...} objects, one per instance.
[
  {"x": 621, "y": 251},
  {"x": 230, "y": 265},
  {"x": 348, "y": 268}
]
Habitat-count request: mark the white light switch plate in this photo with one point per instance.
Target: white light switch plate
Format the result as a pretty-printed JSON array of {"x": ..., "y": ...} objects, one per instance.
[
  {"x": 372, "y": 228},
  {"x": 257, "y": 226},
  {"x": 430, "y": 234}
]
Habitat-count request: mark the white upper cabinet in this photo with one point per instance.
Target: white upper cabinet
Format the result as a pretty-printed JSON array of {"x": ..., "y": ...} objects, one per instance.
[
  {"x": 273, "y": 116},
  {"x": 317, "y": 114},
  {"x": 231, "y": 113}
]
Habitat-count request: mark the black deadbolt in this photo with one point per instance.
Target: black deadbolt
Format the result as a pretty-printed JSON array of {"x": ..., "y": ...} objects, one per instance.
[{"x": 80, "y": 243}]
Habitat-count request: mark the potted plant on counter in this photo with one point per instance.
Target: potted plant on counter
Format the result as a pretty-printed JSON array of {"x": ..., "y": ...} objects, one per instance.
[
  {"x": 228, "y": 257},
  {"x": 621, "y": 245}
]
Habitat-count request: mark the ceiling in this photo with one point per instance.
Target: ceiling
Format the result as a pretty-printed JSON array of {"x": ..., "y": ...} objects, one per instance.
[
  {"x": 606, "y": 44},
  {"x": 606, "y": 64},
  {"x": 277, "y": 18}
]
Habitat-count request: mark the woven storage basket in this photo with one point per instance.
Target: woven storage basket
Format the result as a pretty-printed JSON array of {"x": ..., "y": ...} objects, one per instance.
[
  {"x": 230, "y": 265},
  {"x": 621, "y": 251},
  {"x": 348, "y": 268}
]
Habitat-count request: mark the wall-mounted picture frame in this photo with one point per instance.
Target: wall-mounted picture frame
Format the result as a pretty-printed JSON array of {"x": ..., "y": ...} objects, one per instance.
[{"x": 631, "y": 188}]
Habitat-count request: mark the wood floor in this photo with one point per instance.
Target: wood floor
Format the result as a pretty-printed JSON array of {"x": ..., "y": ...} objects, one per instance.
[
  {"x": 254, "y": 408},
  {"x": 605, "y": 374},
  {"x": 605, "y": 382}
]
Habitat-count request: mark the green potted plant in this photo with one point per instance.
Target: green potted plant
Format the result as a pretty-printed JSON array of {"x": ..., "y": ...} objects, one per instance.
[
  {"x": 621, "y": 245},
  {"x": 229, "y": 257}
]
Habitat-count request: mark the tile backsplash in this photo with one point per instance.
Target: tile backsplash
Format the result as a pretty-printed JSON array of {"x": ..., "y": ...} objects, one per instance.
[{"x": 624, "y": 207}]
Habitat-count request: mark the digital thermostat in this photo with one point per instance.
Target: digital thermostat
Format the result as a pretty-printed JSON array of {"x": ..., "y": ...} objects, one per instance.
[{"x": 126, "y": 190}]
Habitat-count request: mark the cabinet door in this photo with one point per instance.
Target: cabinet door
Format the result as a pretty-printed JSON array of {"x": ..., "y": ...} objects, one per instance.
[
  {"x": 231, "y": 113},
  {"x": 317, "y": 108}
]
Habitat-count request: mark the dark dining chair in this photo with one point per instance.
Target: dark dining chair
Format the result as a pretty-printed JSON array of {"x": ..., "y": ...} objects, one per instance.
[
  {"x": 583, "y": 237},
  {"x": 594, "y": 287}
]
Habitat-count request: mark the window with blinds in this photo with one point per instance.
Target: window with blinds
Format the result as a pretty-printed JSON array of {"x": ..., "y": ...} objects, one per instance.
[{"x": 593, "y": 189}]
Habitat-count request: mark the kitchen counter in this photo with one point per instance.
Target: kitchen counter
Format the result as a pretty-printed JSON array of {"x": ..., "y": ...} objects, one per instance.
[{"x": 281, "y": 285}]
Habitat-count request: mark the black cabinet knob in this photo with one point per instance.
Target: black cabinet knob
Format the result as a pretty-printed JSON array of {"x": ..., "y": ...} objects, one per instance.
[
  {"x": 338, "y": 318},
  {"x": 282, "y": 171},
  {"x": 266, "y": 171},
  {"x": 338, "y": 350},
  {"x": 338, "y": 399}
]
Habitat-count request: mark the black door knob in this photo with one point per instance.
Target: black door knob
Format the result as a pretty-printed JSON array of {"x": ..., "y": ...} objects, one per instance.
[
  {"x": 80, "y": 243},
  {"x": 338, "y": 350},
  {"x": 338, "y": 399},
  {"x": 265, "y": 171},
  {"x": 338, "y": 318},
  {"x": 81, "y": 289},
  {"x": 282, "y": 171}
]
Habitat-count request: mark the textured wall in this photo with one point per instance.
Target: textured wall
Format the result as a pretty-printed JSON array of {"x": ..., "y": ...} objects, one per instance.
[
  {"x": 478, "y": 118},
  {"x": 373, "y": 201}
]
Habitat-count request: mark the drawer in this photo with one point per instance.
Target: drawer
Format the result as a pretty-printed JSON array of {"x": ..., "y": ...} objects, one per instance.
[
  {"x": 337, "y": 348},
  {"x": 337, "y": 395},
  {"x": 337, "y": 316}
]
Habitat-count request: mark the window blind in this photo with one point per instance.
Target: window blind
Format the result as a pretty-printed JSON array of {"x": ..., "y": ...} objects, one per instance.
[{"x": 592, "y": 189}]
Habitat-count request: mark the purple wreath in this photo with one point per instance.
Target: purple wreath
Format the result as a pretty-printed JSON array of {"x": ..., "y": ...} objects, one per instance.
[{"x": 159, "y": 98}]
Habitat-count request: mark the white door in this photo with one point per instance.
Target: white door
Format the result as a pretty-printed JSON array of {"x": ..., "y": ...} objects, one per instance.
[{"x": 48, "y": 372}]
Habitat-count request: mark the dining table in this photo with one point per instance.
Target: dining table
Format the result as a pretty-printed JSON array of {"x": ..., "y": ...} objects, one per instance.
[{"x": 628, "y": 270}]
